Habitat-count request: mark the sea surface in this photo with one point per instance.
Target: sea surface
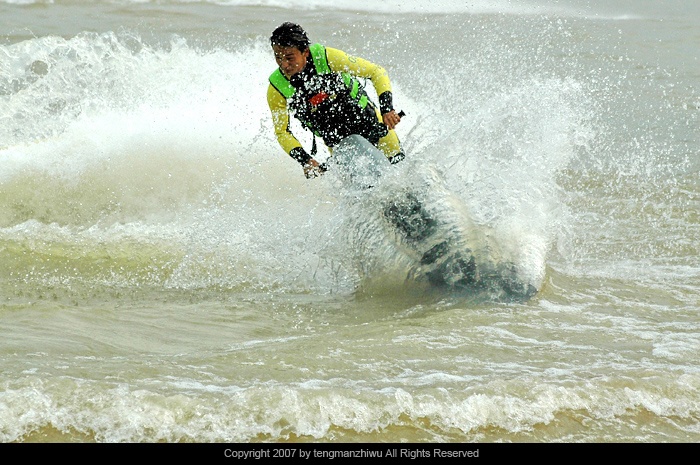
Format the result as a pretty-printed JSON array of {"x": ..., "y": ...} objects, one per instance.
[{"x": 167, "y": 273}]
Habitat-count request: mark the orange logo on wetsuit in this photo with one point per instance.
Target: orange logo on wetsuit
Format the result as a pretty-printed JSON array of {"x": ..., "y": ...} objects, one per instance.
[{"x": 318, "y": 98}]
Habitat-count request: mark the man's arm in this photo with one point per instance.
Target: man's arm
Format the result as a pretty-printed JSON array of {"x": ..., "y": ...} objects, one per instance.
[
  {"x": 280, "y": 121},
  {"x": 289, "y": 143},
  {"x": 340, "y": 61}
]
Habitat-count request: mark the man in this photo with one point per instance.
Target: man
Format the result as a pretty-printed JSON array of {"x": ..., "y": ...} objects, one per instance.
[{"x": 319, "y": 86}]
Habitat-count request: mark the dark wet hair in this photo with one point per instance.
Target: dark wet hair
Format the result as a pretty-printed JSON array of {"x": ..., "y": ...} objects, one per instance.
[{"x": 290, "y": 35}]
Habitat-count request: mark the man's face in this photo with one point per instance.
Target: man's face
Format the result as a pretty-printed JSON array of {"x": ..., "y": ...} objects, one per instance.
[{"x": 290, "y": 59}]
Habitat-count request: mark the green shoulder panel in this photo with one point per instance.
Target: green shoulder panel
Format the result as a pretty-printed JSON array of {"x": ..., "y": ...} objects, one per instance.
[
  {"x": 318, "y": 55},
  {"x": 282, "y": 84}
]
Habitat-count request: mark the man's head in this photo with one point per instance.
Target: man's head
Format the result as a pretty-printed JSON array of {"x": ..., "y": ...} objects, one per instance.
[
  {"x": 291, "y": 47},
  {"x": 290, "y": 35}
]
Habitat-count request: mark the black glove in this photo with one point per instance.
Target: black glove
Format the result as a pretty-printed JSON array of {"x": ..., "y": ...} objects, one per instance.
[{"x": 300, "y": 155}]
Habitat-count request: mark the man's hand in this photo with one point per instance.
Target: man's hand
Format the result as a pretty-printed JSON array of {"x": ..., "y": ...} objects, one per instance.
[
  {"x": 391, "y": 119},
  {"x": 312, "y": 169}
]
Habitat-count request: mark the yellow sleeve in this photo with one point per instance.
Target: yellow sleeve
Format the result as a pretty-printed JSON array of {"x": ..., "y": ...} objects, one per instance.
[
  {"x": 280, "y": 119},
  {"x": 340, "y": 61}
]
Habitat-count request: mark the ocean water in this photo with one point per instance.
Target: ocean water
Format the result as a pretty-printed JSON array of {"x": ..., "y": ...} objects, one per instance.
[{"x": 167, "y": 274}]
